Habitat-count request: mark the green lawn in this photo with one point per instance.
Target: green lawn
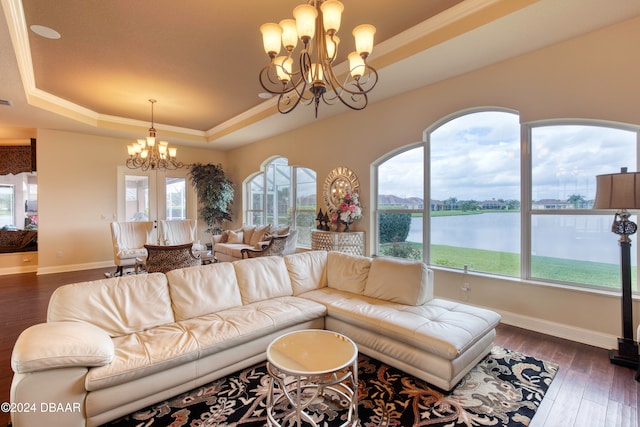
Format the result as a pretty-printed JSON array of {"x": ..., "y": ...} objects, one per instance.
[{"x": 508, "y": 264}]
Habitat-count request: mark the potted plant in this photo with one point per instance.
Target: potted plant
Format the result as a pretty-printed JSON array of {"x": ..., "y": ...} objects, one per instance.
[{"x": 215, "y": 194}]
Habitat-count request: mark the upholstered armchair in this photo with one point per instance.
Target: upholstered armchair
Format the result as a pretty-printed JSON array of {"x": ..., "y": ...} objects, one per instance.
[
  {"x": 180, "y": 232},
  {"x": 276, "y": 246},
  {"x": 162, "y": 258},
  {"x": 177, "y": 232},
  {"x": 128, "y": 240}
]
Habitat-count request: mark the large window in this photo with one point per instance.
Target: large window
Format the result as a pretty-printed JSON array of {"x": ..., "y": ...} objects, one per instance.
[
  {"x": 505, "y": 204},
  {"x": 569, "y": 241},
  {"x": 282, "y": 195}
]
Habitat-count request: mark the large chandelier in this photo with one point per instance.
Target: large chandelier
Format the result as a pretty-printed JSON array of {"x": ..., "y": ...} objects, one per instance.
[
  {"x": 316, "y": 25},
  {"x": 147, "y": 153}
]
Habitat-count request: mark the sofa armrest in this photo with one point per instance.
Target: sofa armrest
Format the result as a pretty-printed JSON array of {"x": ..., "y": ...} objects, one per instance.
[
  {"x": 216, "y": 238},
  {"x": 61, "y": 344}
]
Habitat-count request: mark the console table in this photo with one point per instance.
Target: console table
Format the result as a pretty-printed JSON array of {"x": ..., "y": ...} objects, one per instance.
[{"x": 350, "y": 243}]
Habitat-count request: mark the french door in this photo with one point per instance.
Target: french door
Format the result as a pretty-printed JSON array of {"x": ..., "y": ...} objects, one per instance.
[{"x": 155, "y": 195}]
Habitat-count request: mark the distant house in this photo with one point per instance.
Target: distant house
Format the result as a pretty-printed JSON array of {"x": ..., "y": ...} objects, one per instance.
[
  {"x": 551, "y": 204},
  {"x": 492, "y": 204}
]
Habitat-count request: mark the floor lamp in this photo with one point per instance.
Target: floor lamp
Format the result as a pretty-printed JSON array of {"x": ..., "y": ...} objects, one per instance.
[{"x": 621, "y": 191}]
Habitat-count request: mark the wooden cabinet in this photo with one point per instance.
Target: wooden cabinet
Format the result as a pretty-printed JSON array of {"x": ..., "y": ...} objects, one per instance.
[{"x": 350, "y": 243}]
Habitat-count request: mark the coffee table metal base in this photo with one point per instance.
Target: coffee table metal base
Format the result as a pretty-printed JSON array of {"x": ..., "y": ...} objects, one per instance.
[{"x": 291, "y": 396}]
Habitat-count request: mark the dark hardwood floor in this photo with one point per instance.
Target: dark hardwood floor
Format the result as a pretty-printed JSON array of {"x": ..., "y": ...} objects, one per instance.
[{"x": 588, "y": 390}]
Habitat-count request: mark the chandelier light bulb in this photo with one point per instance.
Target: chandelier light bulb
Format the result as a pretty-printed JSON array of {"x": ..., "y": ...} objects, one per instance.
[
  {"x": 331, "y": 43},
  {"x": 284, "y": 66},
  {"x": 331, "y": 15},
  {"x": 289, "y": 34},
  {"x": 364, "y": 39},
  {"x": 305, "y": 16},
  {"x": 356, "y": 65},
  {"x": 271, "y": 34}
]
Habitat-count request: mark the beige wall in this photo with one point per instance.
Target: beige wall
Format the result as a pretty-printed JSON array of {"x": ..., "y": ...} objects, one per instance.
[
  {"x": 77, "y": 177},
  {"x": 595, "y": 77},
  {"x": 591, "y": 77}
]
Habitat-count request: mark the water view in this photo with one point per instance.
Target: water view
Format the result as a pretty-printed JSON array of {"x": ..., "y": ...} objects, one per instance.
[{"x": 584, "y": 238}]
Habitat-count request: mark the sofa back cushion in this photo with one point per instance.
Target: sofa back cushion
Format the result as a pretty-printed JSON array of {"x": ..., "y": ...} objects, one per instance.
[
  {"x": 119, "y": 305},
  {"x": 307, "y": 270},
  {"x": 399, "y": 280},
  {"x": 262, "y": 278},
  {"x": 347, "y": 272},
  {"x": 205, "y": 289}
]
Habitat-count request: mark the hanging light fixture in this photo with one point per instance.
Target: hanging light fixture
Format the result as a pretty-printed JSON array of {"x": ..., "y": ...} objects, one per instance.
[
  {"x": 147, "y": 153},
  {"x": 316, "y": 25}
]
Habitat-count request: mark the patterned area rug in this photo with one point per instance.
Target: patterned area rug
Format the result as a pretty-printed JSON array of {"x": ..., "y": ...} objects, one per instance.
[{"x": 505, "y": 389}]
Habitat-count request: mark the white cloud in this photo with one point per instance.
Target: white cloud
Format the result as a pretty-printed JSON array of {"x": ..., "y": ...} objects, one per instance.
[{"x": 477, "y": 157}]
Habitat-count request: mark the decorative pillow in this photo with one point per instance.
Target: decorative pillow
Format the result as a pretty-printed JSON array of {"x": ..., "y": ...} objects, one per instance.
[
  {"x": 399, "y": 280},
  {"x": 224, "y": 236},
  {"x": 235, "y": 236},
  {"x": 347, "y": 272},
  {"x": 307, "y": 271},
  {"x": 248, "y": 233},
  {"x": 279, "y": 231},
  {"x": 259, "y": 234}
]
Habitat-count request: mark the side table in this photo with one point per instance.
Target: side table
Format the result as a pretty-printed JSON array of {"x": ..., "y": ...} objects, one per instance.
[
  {"x": 309, "y": 366},
  {"x": 348, "y": 242}
]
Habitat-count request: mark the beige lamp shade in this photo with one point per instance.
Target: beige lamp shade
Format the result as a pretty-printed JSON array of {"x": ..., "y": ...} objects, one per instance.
[
  {"x": 618, "y": 191},
  {"x": 289, "y": 34},
  {"x": 271, "y": 34},
  {"x": 305, "y": 15},
  {"x": 331, "y": 15},
  {"x": 364, "y": 38}
]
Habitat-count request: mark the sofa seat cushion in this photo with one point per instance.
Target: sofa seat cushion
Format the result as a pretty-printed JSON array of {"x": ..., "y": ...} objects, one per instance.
[
  {"x": 231, "y": 249},
  {"x": 441, "y": 327},
  {"x": 147, "y": 352}
]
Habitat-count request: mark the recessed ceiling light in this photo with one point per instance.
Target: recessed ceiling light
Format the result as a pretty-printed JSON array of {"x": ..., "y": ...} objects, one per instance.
[
  {"x": 265, "y": 95},
  {"x": 45, "y": 32}
]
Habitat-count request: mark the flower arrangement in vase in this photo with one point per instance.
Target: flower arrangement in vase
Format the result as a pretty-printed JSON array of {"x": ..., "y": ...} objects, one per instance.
[{"x": 348, "y": 210}]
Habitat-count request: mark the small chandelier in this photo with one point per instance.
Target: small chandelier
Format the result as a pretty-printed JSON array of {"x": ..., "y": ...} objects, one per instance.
[
  {"x": 147, "y": 153},
  {"x": 316, "y": 24}
]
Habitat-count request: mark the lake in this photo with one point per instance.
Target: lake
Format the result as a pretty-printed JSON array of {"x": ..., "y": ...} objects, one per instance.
[{"x": 577, "y": 237}]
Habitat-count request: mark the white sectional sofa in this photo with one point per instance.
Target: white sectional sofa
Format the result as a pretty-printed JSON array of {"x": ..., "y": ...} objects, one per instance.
[{"x": 113, "y": 346}]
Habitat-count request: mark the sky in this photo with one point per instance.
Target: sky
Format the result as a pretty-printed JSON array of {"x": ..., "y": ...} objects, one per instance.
[{"x": 477, "y": 157}]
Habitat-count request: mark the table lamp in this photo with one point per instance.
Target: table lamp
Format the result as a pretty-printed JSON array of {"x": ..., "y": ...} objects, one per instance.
[{"x": 621, "y": 191}]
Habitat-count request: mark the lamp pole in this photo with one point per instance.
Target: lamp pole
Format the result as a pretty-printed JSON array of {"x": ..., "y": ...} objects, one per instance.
[{"x": 627, "y": 352}]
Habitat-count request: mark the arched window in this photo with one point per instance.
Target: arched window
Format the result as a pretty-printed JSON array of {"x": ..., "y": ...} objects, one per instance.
[
  {"x": 474, "y": 182},
  {"x": 505, "y": 198},
  {"x": 282, "y": 195}
]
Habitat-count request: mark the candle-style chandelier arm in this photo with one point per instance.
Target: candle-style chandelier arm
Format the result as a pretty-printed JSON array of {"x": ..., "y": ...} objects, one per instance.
[{"x": 316, "y": 25}]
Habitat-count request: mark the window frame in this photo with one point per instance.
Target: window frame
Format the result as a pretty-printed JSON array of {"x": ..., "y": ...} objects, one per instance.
[
  {"x": 526, "y": 207},
  {"x": 261, "y": 212}
]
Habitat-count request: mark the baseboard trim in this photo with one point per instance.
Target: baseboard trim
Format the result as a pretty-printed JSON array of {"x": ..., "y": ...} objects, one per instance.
[
  {"x": 571, "y": 333},
  {"x": 75, "y": 267},
  {"x": 18, "y": 270}
]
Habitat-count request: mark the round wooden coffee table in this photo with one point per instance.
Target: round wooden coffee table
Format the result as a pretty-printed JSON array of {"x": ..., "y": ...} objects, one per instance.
[{"x": 309, "y": 367}]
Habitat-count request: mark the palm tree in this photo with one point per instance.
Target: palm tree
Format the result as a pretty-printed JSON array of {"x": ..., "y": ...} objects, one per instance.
[{"x": 575, "y": 200}]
